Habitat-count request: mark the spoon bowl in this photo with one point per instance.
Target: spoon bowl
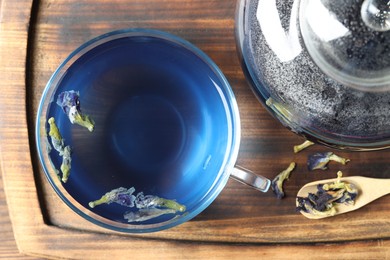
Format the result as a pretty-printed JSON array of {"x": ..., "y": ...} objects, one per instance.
[{"x": 369, "y": 189}]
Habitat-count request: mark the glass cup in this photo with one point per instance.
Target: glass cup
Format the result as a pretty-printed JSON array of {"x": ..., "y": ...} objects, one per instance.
[{"x": 138, "y": 131}]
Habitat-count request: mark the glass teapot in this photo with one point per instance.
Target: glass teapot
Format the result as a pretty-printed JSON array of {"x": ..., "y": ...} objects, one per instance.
[{"x": 321, "y": 67}]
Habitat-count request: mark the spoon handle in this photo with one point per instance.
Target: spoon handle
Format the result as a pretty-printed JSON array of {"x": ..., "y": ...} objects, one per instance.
[{"x": 370, "y": 189}]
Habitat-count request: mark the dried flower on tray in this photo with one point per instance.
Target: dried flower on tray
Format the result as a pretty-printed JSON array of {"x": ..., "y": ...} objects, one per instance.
[
  {"x": 304, "y": 145},
  {"x": 324, "y": 202},
  {"x": 70, "y": 104},
  {"x": 321, "y": 160},
  {"x": 277, "y": 182}
]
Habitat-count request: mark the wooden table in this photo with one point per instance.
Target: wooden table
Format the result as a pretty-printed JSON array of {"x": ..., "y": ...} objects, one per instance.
[{"x": 35, "y": 36}]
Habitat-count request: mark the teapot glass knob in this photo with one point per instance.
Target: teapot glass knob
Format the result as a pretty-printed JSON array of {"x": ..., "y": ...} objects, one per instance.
[
  {"x": 376, "y": 14},
  {"x": 349, "y": 40}
]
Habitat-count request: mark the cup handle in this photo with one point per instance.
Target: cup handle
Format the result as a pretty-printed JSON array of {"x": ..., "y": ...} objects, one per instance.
[{"x": 251, "y": 179}]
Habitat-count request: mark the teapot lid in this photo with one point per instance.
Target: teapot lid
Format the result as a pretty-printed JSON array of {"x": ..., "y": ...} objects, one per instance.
[{"x": 349, "y": 40}]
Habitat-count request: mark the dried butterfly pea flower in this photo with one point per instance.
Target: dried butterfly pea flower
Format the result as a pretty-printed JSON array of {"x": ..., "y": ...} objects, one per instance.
[
  {"x": 320, "y": 200},
  {"x": 48, "y": 145},
  {"x": 350, "y": 190},
  {"x": 146, "y": 214},
  {"x": 304, "y": 145},
  {"x": 56, "y": 138},
  {"x": 277, "y": 182},
  {"x": 149, "y": 206},
  {"x": 348, "y": 198},
  {"x": 66, "y": 163},
  {"x": 59, "y": 146},
  {"x": 69, "y": 101},
  {"x": 321, "y": 160},
  {"x": 120, "y": 195},
  {"x": 305, "y": 205},
  {"x": 324, "y": 202},
  {"x": 151, "y": 201},
  {"x": 279, "y": 108}
]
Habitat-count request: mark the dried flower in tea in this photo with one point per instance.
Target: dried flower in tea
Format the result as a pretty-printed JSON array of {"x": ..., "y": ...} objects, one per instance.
[
  {"x": 66, "y": 163},
  {"x": 70, "y": 104},
  {"x": 324, "y": 202},
  {"x": 151, "y": 201},
  {"x": 56, "y": 138},
  {"x": 149, "y": 206},
  {"x": 321, "y": 160},
  {"x": 277, "y": 182},
  {"x": 120, "y": 195},
  {"x": 59, "y": 146},
  {"x": 146, "y": 214}
]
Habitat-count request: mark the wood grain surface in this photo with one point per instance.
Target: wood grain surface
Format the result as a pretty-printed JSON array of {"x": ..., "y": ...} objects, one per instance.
[{"x": 37, "y": 35}]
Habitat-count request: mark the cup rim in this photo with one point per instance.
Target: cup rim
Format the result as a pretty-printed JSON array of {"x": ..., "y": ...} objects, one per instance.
[{"x": 231, "y": 153}]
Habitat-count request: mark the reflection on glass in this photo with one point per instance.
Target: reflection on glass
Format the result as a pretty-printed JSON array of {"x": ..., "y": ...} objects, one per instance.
[
  {"x": 323, "y": 22},
  {"x": 284, "y": 44}
]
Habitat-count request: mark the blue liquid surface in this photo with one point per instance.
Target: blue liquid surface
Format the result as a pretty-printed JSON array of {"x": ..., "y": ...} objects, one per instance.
[{"x": 161, "y": 124}]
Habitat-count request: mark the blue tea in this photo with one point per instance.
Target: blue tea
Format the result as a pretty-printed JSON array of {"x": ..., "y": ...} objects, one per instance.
[{"x": 162, "y": 124}]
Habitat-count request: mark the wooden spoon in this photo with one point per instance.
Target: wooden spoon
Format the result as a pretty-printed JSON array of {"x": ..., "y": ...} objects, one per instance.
[{"x": 369, "y": 189}]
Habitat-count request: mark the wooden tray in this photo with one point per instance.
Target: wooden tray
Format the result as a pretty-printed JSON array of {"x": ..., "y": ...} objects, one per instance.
[{"x": 35, "y": 36}]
